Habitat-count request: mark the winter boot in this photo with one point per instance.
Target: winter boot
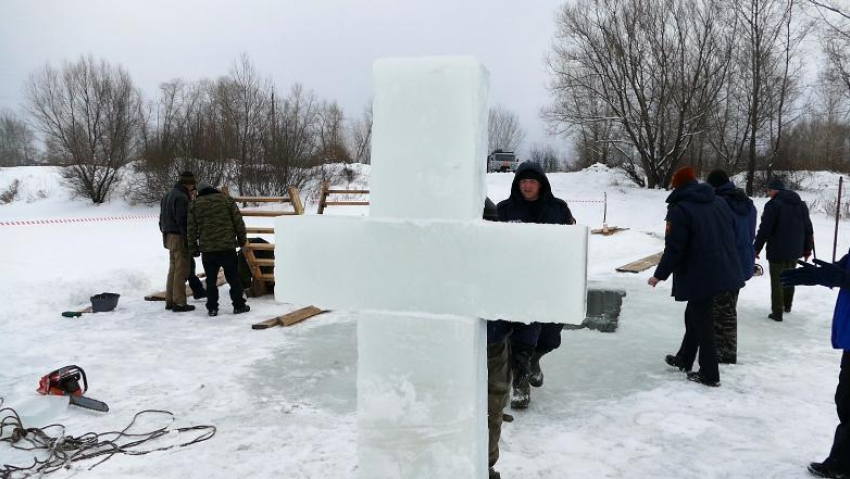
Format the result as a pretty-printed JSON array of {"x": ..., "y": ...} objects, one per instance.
[
  {"x": 182, "y": 308},
  {"x": 775, "y": 317},
  {"x": 535, "y": 375},
  {"x": 521, "y": 394},
  {"x": 822, "y": 469},
  {"x": 199, "y": 293},
  {"x": 697, "y": 377},
  {"x": 212, "y": 312},
  {"x": 241, "y": 309},
  {"x": 675, "y": 361}
]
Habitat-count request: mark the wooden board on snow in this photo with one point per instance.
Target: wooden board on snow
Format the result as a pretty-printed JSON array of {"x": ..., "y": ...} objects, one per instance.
[
  {"x": 289, "y": 319},
  {"x": 641, "y": 264}
]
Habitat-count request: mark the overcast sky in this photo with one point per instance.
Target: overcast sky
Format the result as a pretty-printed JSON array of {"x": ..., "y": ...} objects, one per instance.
[{"x": 327, "y": 45}]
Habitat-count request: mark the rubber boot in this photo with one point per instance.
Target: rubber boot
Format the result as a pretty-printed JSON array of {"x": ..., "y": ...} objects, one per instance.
[
  {"x": 521, "y": 365},
  {"x": 535, "y": 376}
]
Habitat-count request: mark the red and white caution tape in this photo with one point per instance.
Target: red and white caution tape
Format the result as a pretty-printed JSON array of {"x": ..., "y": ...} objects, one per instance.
[{"x": 77, "y": 220}]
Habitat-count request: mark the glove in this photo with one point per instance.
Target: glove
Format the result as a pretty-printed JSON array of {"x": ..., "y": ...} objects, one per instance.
[
  {"x": 195, "y": 254},
  {"x": 825, "y": 274}
]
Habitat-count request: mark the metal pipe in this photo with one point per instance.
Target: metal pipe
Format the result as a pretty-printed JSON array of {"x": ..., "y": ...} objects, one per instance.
[{"x": 837, "y": 216}]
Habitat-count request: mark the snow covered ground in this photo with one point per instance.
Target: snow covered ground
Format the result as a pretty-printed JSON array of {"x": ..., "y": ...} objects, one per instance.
[{"x": 283, "y": 400}]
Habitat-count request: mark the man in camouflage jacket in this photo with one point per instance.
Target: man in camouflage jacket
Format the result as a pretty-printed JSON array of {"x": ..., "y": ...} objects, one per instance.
[{"x": 216, "y": 229}]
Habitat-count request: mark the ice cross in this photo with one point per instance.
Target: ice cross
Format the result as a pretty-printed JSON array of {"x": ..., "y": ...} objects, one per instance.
[{"x": 423, "y": 269}]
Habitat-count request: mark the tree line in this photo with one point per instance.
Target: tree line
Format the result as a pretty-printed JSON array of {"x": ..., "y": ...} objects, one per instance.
[{"x": 650, "y": 85}]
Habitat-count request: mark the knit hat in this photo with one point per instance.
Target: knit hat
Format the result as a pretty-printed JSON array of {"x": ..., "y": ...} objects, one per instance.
[
  {"x": 683, "y": 176},
  {"x": 187, "y": 178},
  {"x": 203, "y": 185},
  {"x": 776, "y": 184},
  {"x": 717, "y": 178}
]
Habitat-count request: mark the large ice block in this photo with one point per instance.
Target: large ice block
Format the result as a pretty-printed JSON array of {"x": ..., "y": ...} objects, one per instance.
[
  {"x": 429, "y": 138},
  {"x": 524, "y": 273},
  {"x": 421, "y": 397}
]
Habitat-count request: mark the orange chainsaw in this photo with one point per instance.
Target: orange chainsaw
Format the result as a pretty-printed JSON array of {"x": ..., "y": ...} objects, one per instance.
[{"x": 66, "y": 382}]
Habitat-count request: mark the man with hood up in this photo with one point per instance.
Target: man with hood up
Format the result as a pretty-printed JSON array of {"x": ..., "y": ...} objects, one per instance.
[
  {"x": 216, "y": 229},
  {"x": 700, "y": 253},
  {"x": 531, "y": 201},
  {"x": 786, "y": 228},
  {"x": 724, "y": 309}
]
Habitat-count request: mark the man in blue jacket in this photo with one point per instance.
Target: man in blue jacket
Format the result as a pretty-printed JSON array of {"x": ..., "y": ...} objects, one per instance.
[
  {"x": 837, "y": 464},
  {"x": 724, "y": 308},
  {"x": 531, "y": 201},
  {"x": 699, "y": 251},
  {"x": 787, "y": 230}
]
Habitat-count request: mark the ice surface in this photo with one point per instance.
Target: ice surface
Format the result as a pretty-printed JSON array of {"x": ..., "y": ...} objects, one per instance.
[
  {"x": 489, "y": 270},
  {"x": 429, "y": 138},
  {"x": 420, "y": 398}
]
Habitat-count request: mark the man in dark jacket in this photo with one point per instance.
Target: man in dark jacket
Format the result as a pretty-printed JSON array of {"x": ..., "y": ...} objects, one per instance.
[
  {"x": 837, "y": 464},
  {"x": 699, "y": 251},
  {"x": 724, "y": 308},
  {"x": 172, "y": 223},
  {"x": 787, "y": 230},
  {"x": 216, "y": 229},
  {"x": 531, "y": 201}
]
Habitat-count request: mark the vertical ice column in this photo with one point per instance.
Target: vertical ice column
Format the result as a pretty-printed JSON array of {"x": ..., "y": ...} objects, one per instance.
[
  {"x": 421, "y": 404},
  {"x": 422, "y": 380}
]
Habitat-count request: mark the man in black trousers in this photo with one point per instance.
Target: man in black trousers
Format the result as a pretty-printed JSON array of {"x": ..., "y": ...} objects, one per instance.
[{"x": 699, "y": 251}]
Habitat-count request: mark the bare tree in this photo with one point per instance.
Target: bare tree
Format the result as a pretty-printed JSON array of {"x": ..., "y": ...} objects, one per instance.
[
  {"x": 361, "y": 137},
  {"x": 504, "y": 130},
  {"x": 89, "y": 114},
  {"x": 332, "y": 147},
  {"x": 548, "y": 158},
  {"x": 17, "y": 141},
  {"x": 658, "y": 66},
  {"x": 770, "y": 43}
]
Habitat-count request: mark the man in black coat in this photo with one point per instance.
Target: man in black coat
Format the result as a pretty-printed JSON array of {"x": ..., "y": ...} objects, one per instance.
[
  {"x": 531, "y": 201},
  {"x": 174, "y": 209},
  {"x": 786, "y": 228},
  {"x": 700, "y": 253}
]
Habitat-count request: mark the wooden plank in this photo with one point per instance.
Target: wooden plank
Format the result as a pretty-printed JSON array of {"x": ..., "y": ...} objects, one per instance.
[
  {"x": 267, "y": 213},
  {"x": 260, "y": 246},
  {"x": 266, "y": 277},
  {"x": 347, "y": 203},
  {"x": 295, "y": 199},
  {"x": 349, "y": 192},
  {"x": 289, "y": 319},
  {"x": 261, "y": 262},
  {"x": 259, "y": 231},
  {"x": 641, "y": 264},
  {"x": 262, "y": 199},
  {"x": 608, "y": 231},
  {"x": 323, "y": 197}
]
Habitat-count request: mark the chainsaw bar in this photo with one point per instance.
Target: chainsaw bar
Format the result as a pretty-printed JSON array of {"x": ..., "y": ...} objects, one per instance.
[{"x": 89, "y": 403}]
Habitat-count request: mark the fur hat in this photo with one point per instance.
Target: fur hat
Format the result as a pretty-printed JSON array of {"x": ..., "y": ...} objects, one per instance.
[
  {"x": 776, "y": 184},
  {"x": 717, "y": 178},
  {"x": 683, "y": 176},
  {"x": 187, "y": 178}
]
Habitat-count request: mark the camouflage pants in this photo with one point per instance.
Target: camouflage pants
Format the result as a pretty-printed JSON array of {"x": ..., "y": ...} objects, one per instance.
[
  {"x": 780, "y": 298},
  {"x": 498, "y": 389},
  {"x": 725, "y": 317}
]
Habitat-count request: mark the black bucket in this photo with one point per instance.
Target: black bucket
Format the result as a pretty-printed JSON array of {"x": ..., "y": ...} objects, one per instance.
[{"x": 103, "y": 302}]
